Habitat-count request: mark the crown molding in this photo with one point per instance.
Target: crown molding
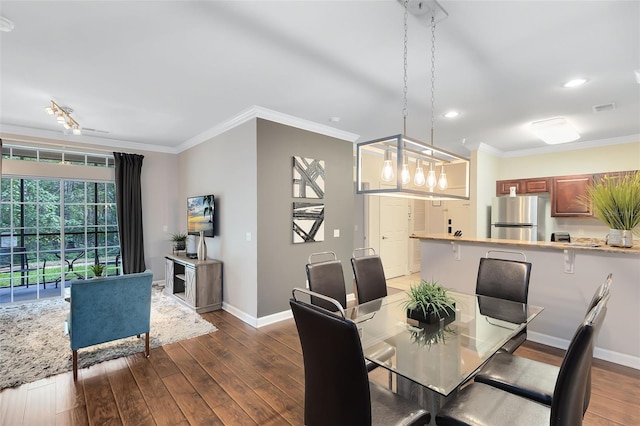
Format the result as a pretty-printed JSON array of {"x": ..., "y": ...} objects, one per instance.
[
  {"x": 57, "y": 138},
  {"x": 573, "y": 146},
  {"x": 481, "y": 146},
  {"x": 267, "y": 114}
]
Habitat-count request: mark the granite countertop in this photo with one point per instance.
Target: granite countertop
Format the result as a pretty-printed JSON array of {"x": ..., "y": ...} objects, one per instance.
[{"x": 587, "y": 244}]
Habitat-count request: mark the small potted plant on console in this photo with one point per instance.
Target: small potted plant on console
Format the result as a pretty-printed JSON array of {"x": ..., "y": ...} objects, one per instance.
[
  {"x": 179, "y": 242},
  {"x": 429, "y": 303}
]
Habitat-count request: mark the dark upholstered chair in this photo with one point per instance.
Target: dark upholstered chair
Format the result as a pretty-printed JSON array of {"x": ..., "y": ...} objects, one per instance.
[
  {"x": 532, "y": 379},
  {"x": 505, "y": 279},
  {"x": 337, "y": 388},
  {"x": 371, "y": 283},
  {"x": 482, "y": 404},
  {"x": 326, "y": 277}
]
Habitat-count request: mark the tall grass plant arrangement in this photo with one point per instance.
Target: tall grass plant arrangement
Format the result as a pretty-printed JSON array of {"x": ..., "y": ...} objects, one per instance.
[{"x": 616, "y": 201}]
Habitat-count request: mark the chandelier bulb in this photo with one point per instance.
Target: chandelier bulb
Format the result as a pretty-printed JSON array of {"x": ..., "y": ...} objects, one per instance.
[
  {"x": 405, "y": 174},
  {"x": 442, "y": 181},
  {"x": 387, "y": 168},
  {"x": 419, "y": 179},
  {"x": 431, "y": 178}
]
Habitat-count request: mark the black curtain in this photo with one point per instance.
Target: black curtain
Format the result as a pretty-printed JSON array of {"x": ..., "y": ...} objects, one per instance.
[{"x": 129, "y": 206}]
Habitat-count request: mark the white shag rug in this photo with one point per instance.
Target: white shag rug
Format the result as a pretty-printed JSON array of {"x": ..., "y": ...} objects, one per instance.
[{"x": 33, "y": 343}]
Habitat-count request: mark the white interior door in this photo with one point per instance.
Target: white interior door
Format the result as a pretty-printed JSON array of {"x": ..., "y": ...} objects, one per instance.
[{"x": 394, "y": 236}]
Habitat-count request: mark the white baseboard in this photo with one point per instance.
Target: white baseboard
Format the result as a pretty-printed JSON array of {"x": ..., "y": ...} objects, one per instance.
[
  {"x": 603, "y": 354},
  {"x": 269, "y": 319}
]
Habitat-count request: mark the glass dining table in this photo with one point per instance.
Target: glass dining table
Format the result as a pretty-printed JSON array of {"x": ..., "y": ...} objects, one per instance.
[{"x": 432, "y": 361}]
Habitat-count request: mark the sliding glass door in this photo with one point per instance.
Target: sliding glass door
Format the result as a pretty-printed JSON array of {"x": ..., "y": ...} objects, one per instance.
[{"x": 52, "y": 231}]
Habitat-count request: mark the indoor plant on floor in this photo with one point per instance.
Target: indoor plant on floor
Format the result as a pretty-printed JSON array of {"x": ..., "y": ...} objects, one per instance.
[
  {"x": 429, "y": 303},
  {"x": 616, "y": 202},
  {"x": 97, "y": 269}
]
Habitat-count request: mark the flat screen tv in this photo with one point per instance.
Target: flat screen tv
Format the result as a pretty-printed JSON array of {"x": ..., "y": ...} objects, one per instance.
[{"x": 201, "y": 215}]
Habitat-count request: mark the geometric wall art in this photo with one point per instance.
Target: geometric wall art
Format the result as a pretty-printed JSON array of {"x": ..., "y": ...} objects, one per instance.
[
  {"x": 308, "y": 178},
  {"x": 308, "y": 222}
]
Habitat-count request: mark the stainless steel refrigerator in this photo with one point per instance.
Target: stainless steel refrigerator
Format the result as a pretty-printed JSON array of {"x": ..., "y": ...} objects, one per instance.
[{"x": 519, "y": 218}]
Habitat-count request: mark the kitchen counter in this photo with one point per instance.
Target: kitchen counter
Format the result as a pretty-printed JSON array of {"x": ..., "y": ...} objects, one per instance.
[
  {"x": 564, "y": 277},
  {"x": 589, "y": 244}
]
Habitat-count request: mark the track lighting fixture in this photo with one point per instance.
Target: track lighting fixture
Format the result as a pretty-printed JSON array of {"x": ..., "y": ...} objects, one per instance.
[{"x": 63, "y": 116}]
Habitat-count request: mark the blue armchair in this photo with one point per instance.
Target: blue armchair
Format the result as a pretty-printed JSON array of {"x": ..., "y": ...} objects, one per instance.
[{"x": 110, "y": 308}]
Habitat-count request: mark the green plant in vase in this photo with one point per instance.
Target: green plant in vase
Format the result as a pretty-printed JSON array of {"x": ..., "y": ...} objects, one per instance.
[
  {"x": 97, "y": 269},
  {"x": 179, "y": 241},
  {"x": 616, "y": 201},
  {"x": 429, "y": 302}
]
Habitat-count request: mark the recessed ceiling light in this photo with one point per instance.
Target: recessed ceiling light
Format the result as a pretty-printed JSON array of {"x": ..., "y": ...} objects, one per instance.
[
  {"x": 575, "y": 82},
  {"x": 334, "y": 119},
  {"x": 452, "y": 114}
]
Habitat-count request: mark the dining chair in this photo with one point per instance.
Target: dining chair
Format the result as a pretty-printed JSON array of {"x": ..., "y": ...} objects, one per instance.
[
  {"x": 533, "y": 379},
  {"x": 337, "y": 390},
  {"x": 326, "y": 277},
  {"x": 479, "y": 403},
  {"x": 505, "y": 279},
  {"x": 368, "y": 272}
]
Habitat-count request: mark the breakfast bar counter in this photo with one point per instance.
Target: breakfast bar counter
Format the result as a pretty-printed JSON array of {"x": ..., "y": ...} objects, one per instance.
[
  {"x": 588, "y": 244},
  {"x": 564, "y": 276}
]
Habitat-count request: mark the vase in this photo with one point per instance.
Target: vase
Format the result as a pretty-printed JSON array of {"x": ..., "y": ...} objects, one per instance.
[
  {"x": 443, "y": 317},
  {"x": 620, "y": 238},
  {"x": 202, "y": 247}
]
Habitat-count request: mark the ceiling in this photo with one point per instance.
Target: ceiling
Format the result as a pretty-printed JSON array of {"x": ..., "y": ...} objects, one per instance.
[{"x": 160, "y": 73}]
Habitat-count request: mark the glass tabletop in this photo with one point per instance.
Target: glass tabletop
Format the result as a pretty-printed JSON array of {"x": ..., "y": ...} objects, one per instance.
[{"x": 439, "y": 357}]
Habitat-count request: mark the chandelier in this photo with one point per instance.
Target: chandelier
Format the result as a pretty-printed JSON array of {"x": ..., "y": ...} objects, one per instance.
[
  {"x": 379, "y": 159},
  {"x": 63, "y": 116}
]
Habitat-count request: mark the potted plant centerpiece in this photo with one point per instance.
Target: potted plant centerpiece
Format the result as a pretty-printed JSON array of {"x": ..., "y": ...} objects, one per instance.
[
  {"x": 179, "y": 241},
  {"x": 429, "y": 303},
  {"x": 616, "y": 202}
]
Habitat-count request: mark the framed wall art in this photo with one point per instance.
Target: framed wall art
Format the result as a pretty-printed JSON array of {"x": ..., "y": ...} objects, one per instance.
[
  {"x": 308, "y": 222},
  {"x": 308, "y": 178}
]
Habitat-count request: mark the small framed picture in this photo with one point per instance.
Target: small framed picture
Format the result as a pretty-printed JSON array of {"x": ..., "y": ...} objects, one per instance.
[{"x": 436, "y": 203}]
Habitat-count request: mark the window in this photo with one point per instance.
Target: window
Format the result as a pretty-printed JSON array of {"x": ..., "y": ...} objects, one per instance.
[{"x": 52, "y": 229}]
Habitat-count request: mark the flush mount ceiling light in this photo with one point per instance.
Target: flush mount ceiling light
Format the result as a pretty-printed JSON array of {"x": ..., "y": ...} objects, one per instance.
[
  {"x": 6, "y": 25},
  {"x": 451, "y": 114},
  {"x": 555, "y": 130},
  {"x": 385, "y": 166},
  {"x": 575, "y": 83},
  {"x": 63, "y": 116}
]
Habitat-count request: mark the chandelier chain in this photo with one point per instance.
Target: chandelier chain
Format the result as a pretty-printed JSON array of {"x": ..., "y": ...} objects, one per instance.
[
  {"x": 405, "y": 89},
  {"x": 433, "y": 73}
]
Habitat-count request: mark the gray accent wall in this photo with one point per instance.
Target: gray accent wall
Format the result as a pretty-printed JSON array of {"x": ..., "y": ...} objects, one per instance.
[
  {"x": 281, "y": 264},
  {"x": 225, "y": 166}
]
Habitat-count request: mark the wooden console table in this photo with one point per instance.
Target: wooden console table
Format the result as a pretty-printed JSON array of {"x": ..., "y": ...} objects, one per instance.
[{"x": 195, "y": 283}]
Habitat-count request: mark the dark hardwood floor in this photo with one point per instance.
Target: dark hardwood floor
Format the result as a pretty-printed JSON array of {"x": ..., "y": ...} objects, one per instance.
[{"x": 236, "y": 376}]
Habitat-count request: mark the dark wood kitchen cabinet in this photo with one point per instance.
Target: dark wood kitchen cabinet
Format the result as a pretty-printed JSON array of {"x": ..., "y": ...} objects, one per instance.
[
  {"x": 523, "y": 186},
  {"x": 503, "y": 186},
  {"x": 566, "y": 193}
]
